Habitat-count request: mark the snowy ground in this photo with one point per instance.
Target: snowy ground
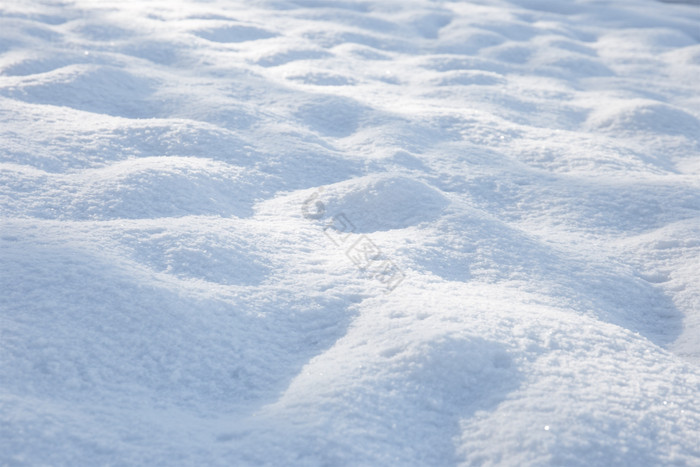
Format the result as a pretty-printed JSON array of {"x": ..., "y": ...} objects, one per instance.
[{"x": 189, "y": 192}]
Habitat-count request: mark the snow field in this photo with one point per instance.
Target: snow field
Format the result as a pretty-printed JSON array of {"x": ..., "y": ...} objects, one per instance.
[{"x": 530, "y": 167}]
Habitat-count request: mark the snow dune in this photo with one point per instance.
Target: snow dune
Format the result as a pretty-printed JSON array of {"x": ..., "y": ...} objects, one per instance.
[{"x": 349, "y": 233}]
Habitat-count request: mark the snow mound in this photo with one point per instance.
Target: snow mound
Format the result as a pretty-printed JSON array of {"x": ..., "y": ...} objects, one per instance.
[
  {"x": 100, "y": 89},
  {"x": 155, "y": 187},
  {"x": 643, "y": 117},
  {"x": 384, "y": 203}
]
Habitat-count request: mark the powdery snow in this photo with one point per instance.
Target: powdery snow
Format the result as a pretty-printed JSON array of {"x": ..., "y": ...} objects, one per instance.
[{"x": 350, "y": 233}]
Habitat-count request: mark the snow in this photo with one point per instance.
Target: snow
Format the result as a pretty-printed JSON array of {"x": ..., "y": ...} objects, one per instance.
[{"x": 350, "y": 232}]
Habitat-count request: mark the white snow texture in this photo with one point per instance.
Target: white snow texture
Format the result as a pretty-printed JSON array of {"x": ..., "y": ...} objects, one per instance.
[{"x": 350, "y": 233}]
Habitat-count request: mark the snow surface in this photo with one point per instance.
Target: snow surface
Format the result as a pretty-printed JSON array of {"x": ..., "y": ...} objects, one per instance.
[{"x": 189, "y": 192}]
